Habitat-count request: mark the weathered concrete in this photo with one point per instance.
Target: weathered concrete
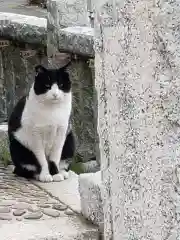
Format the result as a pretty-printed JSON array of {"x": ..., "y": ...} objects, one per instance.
[
  {"x": 25, "y": 48},
  {"x": 65, "y": 228},
  {"x": 66, "y": 191},
  {"x": 90, "y": 193},
  {"x": 28, "y": 29},
  {"x": 68, "y": 13},
  {"x": 77, "y": 40},
  {"x": 138, "y": 82},
  {"x": 17, "y": 66}
]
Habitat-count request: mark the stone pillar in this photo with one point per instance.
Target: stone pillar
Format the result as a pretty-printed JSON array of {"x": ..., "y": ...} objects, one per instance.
[
  {"x": 72, "y": 14},
  {"x": 61, "y": 14},
  {"x": 138, "y": 81}
]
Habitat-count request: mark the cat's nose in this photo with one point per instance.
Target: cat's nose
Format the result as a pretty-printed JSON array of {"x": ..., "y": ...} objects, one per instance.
[{"x": 55, "y": 95}]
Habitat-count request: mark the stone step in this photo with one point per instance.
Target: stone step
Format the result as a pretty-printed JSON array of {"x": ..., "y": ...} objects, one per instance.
[
  {"x": 77, "y": 39},
  {"x": 90, "y": 195},
  {"x": 23, "y": 28},
  {"x": 63, "y": 228},
  {"x": 66, "y": 191}
]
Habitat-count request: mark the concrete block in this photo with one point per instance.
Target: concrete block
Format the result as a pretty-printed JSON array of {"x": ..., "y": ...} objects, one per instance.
[
  {"x": 29, "y": 29},
  {"x": 90, "y": 194},
  {"x": 78, "y": 40}
]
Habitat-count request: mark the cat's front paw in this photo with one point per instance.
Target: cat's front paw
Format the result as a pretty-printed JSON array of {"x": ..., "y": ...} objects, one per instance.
[
  {"x": 60, "y": 176},
  {"x": 45, "y": 177}
]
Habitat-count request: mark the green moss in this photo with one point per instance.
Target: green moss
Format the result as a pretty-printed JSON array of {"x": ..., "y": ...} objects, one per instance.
[
  {"x": 5, "y": 157},
  {"x": 77, "y": 167}
]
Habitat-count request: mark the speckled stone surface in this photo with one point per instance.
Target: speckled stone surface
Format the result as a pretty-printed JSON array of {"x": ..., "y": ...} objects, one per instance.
[
  {"x": 65, "y": 13},
  {"x": 29, "y": 29},
  {"x": 78, "y": 40},
  {"x": 138, "y": 81},
  {"x": 91, "y": 202},
  {"x": 17, "y": 72}
]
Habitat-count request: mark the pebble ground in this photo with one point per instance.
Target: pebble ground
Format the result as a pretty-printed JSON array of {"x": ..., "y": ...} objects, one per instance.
[{"x": 21, "y": 200}]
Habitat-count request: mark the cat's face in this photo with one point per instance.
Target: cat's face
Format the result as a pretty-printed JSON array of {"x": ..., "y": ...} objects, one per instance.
[{"x": 51, "y": 85}]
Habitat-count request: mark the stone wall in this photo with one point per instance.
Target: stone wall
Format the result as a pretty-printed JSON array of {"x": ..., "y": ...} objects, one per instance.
[
  {"x": 24, "y": 44},
  {"x": 138, "y": 82},
  {"x": 17, "y": 73},
  {"x": 22, "y": 47}
]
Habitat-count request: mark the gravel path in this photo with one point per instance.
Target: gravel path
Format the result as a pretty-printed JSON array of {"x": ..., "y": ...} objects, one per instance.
[{"x": 21, "y": 200}]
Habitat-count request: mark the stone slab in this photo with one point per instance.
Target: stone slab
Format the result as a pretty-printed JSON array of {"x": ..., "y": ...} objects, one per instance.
[
  {"x": 66, "y": 191},
  {"x": 29, "y": 29},
  {"x": 78, "y": 40},
  {"x": 65, "y": 228},
  {"x": 90, "y": 193}
]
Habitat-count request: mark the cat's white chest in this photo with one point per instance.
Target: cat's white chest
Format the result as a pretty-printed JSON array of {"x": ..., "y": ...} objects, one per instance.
[
  {"x": 49, "y": 134},
  {"x": 43, "y": 125}
]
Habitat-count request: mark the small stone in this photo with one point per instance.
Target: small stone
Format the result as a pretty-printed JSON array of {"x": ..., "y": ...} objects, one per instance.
[
  {"x": 19, "y": 212},
  {"x": 24, "y": 190},
  {"x": 5, "y": 216},
  {"x": 51, "y": 212},
  {"x": 69, "y": 212},
  {"x": 60, "y": 207},
  {"x": 5, "y": 210},
  {"x": 11, "y": 168},
  {"x": 7, "y": 203},
  {"x": 44, "y": 205},
  {"x": 25, "y": 201},
  {"x": 33, "y": 208},
  {"x": 52, "y": 201},
  {"x": 21, "y": 205},
  {"x": 33, "y": 215}
]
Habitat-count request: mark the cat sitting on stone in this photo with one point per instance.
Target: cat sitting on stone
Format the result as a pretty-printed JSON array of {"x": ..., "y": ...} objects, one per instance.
[{"x": 40, "y": 136}]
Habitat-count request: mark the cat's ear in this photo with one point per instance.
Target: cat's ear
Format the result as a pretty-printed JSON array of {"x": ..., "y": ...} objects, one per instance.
[{"x": 39, "y": 69}]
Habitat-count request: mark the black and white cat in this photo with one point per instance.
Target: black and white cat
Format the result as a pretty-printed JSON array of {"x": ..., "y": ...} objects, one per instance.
[{"x": 40, "y": 135}]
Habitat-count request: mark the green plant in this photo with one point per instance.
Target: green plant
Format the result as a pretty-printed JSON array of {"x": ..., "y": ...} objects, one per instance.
[
  {"x": 5, "y": 157},
  {"x": 77, "y": 167}
]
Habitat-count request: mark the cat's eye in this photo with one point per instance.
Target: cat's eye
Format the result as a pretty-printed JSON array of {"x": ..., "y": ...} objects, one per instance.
[
  {"x": 61, "y": 85},
  {"x": 47, "y": 86}
]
